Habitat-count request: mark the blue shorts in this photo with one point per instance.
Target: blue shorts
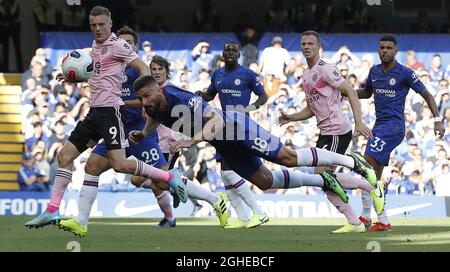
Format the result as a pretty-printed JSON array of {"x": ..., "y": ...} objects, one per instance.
[
  {"x": 243, "y": 155},
  {"x": 386, "y": 137},
  {"x": 146, "y": 150}
]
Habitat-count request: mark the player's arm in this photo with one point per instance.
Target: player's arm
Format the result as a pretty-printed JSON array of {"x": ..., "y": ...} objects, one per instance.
[
  {"x": 213, "y": 123},
  {"x": 347, "y": 90},
  {"x": 140, "y": 65},
  {"x": 136, "y": 136},
  {"x": 135, "y": 103},
  {"x": 304, "y": 114},
  {"x": 364, "y": 93},
  {"x": 439, "y": 129},
  {"x": 262, "y": 99},
  {"x": 205, "y": 95}
]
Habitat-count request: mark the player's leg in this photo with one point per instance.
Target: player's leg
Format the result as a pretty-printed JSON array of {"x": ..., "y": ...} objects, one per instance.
[
  {"x": 148, "y": 150},
  {"x": 75, "y": 145},
  {"x": 265, "y": 145},
  {"x": 383, "y": 223},
  {"x": 111, "y": 128},
  {"x": 96, "y": 164},
  {"x": 377, "y": 154},
  {"x": 241, "y": 193},
  {"x": 229, "y": 181}
]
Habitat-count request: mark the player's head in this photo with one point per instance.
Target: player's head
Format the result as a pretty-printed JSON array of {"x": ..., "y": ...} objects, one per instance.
[
  {"x": 160, "y": 69},
  {"x": 149, "y": 93},
  {"x": 129, "y": 35},
  {"x": 100, "y": 23},
  {"x": 231, "y": 53},
  {"x": 310, "y": 44},
  {"x": 387, "y": 49}
]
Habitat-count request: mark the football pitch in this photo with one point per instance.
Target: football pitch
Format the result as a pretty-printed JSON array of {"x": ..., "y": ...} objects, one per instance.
[{"x": 204, "y": 235}]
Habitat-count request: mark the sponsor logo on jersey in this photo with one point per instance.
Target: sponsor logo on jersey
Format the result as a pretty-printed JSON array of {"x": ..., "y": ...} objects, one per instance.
[
  {"x": 385, "y": 92},
  {"x": 232, "y": 92}
]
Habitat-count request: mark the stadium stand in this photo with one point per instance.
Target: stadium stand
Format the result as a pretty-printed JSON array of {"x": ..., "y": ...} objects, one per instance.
[{"x": 11, "y": 138}]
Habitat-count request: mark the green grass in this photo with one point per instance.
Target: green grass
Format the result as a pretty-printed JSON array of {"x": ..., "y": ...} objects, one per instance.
[{"x": 204, "y": 234}]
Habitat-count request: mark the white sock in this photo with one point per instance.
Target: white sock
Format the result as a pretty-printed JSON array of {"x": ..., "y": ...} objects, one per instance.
[
  {"x": 383, "y": 218},
  {"x": 88, "y": 194},
  {"x": 165, "y": 206},
  {"x": 241, "y": 187},
  {"x": 320, "y": 157},
  {"x": 235, "y": 201},
  {"x": 198, "y": 192},
  {"x": 367, "y": 204},
  {"x": 292, "y": 179}
]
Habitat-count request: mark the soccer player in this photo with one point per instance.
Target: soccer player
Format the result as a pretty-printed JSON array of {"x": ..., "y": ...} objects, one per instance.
[
  {"x": 239, "y": 140},
  {"x": 390, "y": 82},
  {"x": 105, "y": 119},
  {"x": 147, "y": 150},
  {"x": 323, "y": 85},
  {"x": 234, "y": 84}
]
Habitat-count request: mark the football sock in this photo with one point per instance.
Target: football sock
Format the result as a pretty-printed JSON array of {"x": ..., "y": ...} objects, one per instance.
[
  {"x": 291, "y": 179},
  {"x": 344, "y": 208},
  {"x": 165, "y": 206},
  {"x": 62, "y": 180},
  {"x": 88, "y": 194},
  {"x": 351, "y": 182},
  {"x": 149, "y": 171},
  {"x": 367, "y": 204},
  {"x": 198, "y": 192},
  {"x": 320, "y": 157},
  {"x": 235, "y": 201}
]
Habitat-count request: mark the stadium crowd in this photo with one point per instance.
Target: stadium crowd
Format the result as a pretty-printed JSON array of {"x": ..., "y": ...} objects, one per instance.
[{"x": 420, "y": 165}]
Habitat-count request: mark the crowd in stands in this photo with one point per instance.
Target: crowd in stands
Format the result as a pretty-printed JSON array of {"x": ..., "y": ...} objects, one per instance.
[
  {"x": 419, "y": 166},
  {"x": 280, "y": 16}
]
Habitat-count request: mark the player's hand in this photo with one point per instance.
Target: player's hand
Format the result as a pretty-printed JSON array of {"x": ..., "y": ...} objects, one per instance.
[
  {"x": 61, "y": 78},
  {"x": 136, "y": 136},
  {"x": 177, "y": 145},
  {"x": 439, "y": 129},
  {"x": 363, "y": 130},
  {"x": 91, "y": 144},
  {"x": 284, "y": 118}
]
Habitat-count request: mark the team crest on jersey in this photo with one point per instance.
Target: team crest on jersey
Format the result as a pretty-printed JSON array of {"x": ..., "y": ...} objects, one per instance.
[
  {"x": 237, "y": 82},
  {"x": 392, "y": 81},
  {"x": 314, "y": 77},
  {"x": 124, "y": 77},
  {"x": 104, "y": 50},
  {"x": 194, "y": 102}
]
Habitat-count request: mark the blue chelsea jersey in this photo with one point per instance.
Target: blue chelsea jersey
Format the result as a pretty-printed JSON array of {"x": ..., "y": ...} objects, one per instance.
[
  {"x": 134, "y": 115},
  {"x": 235, "y": 87},
  {"x": 183, "y": 108},
  {"x": 390, "y": 90}
]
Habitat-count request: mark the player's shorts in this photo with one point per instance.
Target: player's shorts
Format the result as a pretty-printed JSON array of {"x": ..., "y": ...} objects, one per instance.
[
  {"x": 386, "y": 137},
  {"x": 335, "y": 143},
  {"x": 243, "y": 156},
  {"x": 101, "y": 123},
  {"x": 146, "y": 150}
]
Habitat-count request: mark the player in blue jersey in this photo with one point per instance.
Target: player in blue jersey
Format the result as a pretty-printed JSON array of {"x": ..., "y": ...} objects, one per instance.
[
  {"x": 147, "y": 150},
  {"x": 235, "y": 84},
  {"x": 239, "y": 140},
  {"x": 390, "y": 82}
]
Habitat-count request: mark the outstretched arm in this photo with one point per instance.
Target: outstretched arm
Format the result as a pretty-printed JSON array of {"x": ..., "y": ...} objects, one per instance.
[
  {"x": 304, "y": 114},
  {"x": 438, "y": 127}
]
